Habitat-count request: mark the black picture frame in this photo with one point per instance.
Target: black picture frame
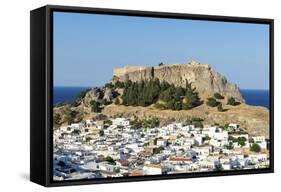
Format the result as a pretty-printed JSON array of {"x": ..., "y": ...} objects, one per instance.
[{"x": 41, "y": 92}]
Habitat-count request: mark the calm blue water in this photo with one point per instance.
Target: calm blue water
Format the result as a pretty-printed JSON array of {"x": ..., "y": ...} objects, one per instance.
[
  {"x": 256, "y": 97},
  {"x": 66, "y": 94},
  {"x": 252, "y": 97}
]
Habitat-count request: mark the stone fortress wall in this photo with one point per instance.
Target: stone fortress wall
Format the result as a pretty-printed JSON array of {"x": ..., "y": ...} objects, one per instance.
[{"x": 202, "y": 76}]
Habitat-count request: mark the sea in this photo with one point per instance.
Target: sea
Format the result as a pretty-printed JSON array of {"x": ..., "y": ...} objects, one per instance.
[{"x": 252, "y": 97}]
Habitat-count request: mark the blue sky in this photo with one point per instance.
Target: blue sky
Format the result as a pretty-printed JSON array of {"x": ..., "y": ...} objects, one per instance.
[{"x": 88, "y": 46}]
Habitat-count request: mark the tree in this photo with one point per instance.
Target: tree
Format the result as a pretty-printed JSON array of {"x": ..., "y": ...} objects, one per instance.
[
  {"x": 155, "y": 122},
  {"x": 150, "y": 123},
  {"x": 109, "y": 85},
  {"x": 76, "y": 132},
  {"x": 226, "y": 126},
  {"x": 119, "y": 84},
  {"x": 255, "y": 148},
  {"x": 95, "y": 106},
  {"x": 110, "y": 160},
  {"x": 230, "y": 138},
  {"x": 120, "y": 127},
  {"x": 197, "y": 119},
  {"x": 171, "y": 104},
  {"x": 179, "y": 93},
  {"x": 178, "y": 105},
  {"x": 198, "y": 124},
  {"x": 116, "y": 171},
  {"x": 155, "y": 141},
  {"x": 191, "y": 97},
  {"x": 57, "y": 119},
  {"x": 219, "y": 168},
  {"x": 219, "y": 107},
  {"x": 136, "y": 124},
  {"x": 145, "y": 93},
  {"x": 232, "y": 101},
  {"x": 158, "y": 150},
  {"x": 101, "y": 133},
  {"x": 218, "y": 96},
  {"x": 241, "y": 141},
  {"x": 70, "y": 116},
  {"x": 108, "y": 122},
  {"x": 212, "y": 102},
  {"x": 117, "y": 101},
  {"x": 229, "y": 146},
  {"x": 206, "y": 138},
  {"x": 88, "y": 139},
  {"x": 164, "y": 85},
  {"x": 160, "y": 106},
  {"x": 251, "y": 140},
  {"x": 167, "y": 95}
]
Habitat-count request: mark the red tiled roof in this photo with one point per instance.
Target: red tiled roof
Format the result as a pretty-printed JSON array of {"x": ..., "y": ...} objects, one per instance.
[
  {"x": 137, "y": 173},
  {"x": 180, "y": 159}
]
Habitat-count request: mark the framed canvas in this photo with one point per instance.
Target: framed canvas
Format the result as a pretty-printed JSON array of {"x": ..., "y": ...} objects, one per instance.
[{"x": 125, "y": 95}]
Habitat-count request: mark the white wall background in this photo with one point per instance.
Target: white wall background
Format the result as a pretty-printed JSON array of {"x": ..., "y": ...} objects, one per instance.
[{"x": 14, "y": 94}]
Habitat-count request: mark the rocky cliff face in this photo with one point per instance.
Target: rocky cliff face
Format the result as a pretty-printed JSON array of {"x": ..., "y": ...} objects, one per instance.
[{"x": 206, "y": 80}]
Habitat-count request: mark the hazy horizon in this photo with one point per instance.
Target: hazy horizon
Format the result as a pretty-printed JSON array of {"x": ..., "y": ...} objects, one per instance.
[{"x": 88, "y": 46}]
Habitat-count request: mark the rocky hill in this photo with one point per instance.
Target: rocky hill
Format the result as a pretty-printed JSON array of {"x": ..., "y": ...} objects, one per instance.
[
  {"x": 102, "y": 101},
  {"x": 202, "y": 76}
]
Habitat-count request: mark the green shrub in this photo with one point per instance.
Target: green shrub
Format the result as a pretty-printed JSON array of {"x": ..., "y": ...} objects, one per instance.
[
  {"x": 160, "y": 106},
  {"x": 219, "y": 107},
  {"x": 158, "y": 150},
  {"x": 70, "y": 116},
  {"x": 57, "y": 120},
  {"x": 136, "y": 124},
  {"x": 218, "y": 96},
  {"x": 198, "y": 124},
  {"x": 110, "y": 160},
  {"x": 232, "y": 101},
  {"x": 119, "y": 84},
  {"x": 109, "y": 85},
  {"x": 108, "y": 122},
  {"x": 255, "y": 148},
  {"x": 241, "y": 141},
  {"x": 101, "y": 133},
  {"x": 95, "y": 106},
  {"x": 117, "y": 101},
  {"x": 212, "y": 102}
]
